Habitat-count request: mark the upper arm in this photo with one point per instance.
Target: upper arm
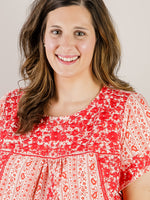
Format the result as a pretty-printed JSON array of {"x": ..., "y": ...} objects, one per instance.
[
  {"x": 139, "y": 189},
  {"x": 135, "y": 150},
  {"x": 2, "y": 104}
]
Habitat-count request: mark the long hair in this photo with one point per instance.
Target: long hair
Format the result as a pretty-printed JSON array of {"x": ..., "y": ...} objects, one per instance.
[{"x": 36, "y": 70}]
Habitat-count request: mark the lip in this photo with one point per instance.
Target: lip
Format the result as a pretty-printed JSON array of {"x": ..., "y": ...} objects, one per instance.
[{"x": 67, "y": 56}]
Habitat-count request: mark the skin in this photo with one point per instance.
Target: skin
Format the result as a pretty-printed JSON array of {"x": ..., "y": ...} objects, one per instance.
[
  {"x": 70, "y": 35},
  {"x": 139, "y": 189}
]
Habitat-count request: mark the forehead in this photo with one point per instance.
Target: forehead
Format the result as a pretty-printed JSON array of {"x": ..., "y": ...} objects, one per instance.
[{"x": 74, "y": 14}]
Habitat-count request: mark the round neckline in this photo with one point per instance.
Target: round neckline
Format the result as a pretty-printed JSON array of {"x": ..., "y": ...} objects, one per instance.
[{"x": 53, "y": 118}]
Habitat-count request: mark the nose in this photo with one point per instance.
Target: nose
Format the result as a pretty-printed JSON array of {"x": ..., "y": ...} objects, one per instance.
[{"x": 67, "y": 42}]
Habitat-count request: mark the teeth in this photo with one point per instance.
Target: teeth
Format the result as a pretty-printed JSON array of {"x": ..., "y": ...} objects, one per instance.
[{"x": 68, "y": 59}]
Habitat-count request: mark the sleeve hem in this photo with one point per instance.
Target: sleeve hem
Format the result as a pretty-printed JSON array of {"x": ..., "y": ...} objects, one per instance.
[
  {"x": 143, "y": 166},
  {"x": 138, "y": 175}
]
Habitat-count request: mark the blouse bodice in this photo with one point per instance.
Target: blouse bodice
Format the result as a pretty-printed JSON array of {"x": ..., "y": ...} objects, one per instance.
[{"x": 92, "y": 154}]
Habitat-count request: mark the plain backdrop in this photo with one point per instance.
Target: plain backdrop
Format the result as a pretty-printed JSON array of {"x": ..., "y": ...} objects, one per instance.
[{"x": 131, "y": 19}]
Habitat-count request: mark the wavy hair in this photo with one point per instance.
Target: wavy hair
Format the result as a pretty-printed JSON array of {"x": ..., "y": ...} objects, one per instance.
[{"x": 36, "y": 70}]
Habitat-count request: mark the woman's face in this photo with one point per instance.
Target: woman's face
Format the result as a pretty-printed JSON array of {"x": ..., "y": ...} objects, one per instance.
[{"x": 70, "y": 41}]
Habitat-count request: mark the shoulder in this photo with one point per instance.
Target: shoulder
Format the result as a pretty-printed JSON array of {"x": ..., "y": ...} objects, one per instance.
[
  {"x": 112, "y": 92},
  {"x": 115, "y": 97},
  {"x": 129, "y": 97},
  {"x": 125, "y": 102},
  {"x": 10, "y": 101},
  {"x": 13, "y": 95}
]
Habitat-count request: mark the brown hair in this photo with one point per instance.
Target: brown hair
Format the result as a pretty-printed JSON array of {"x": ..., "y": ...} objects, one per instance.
[{"x": 37, "y": 70}]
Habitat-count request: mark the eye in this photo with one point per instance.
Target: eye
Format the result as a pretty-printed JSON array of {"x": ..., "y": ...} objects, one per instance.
[
  {"x": 79, "y": 33},
  {"x": 56, "y": 32}
]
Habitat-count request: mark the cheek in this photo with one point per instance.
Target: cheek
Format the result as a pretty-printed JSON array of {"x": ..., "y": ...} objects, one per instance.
[
  {"x": 50, "y": 47},
  {"x": 87, "y": 47},
  {"x": 50, "y": 51},
  {"x": 50, "y": 44}
]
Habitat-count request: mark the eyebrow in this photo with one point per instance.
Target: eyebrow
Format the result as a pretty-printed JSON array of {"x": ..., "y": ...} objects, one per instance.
[
  {"x": 76, "y": 27},
  {"x": 55, "y": 26},
  {"x": 80, "y": 27}
]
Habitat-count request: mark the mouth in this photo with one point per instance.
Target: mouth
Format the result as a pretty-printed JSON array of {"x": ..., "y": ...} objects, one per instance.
[{"x": 67, "y": 59}]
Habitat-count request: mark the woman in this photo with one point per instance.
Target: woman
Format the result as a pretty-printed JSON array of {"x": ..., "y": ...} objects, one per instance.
[{"x": 75, "y": 131}]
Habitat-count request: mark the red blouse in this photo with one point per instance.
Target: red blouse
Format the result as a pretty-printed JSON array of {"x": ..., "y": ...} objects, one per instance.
[{"x": 92, "y": 154}]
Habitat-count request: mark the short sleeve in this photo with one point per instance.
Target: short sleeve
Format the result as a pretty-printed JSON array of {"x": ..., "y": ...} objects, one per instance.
[
  {"x": 135, "y": 144},
  {"x": 2, "y": 105}
]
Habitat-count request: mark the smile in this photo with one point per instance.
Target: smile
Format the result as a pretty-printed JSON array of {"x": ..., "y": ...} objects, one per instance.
[{"x": 68, "y": 58}]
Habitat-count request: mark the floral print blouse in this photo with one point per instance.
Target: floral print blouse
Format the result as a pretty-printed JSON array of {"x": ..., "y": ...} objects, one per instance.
[{"x": 90, "y": 155}]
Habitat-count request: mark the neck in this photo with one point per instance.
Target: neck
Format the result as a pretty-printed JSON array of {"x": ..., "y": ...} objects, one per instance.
[{"x": 76, "y": 89}]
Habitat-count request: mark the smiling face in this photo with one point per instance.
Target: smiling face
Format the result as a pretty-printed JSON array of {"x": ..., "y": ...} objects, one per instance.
[{"x": 70, "y": 41}]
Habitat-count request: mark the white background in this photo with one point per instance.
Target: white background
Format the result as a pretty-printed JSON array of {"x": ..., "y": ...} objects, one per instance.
[{"x": 132, "y": 22}]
